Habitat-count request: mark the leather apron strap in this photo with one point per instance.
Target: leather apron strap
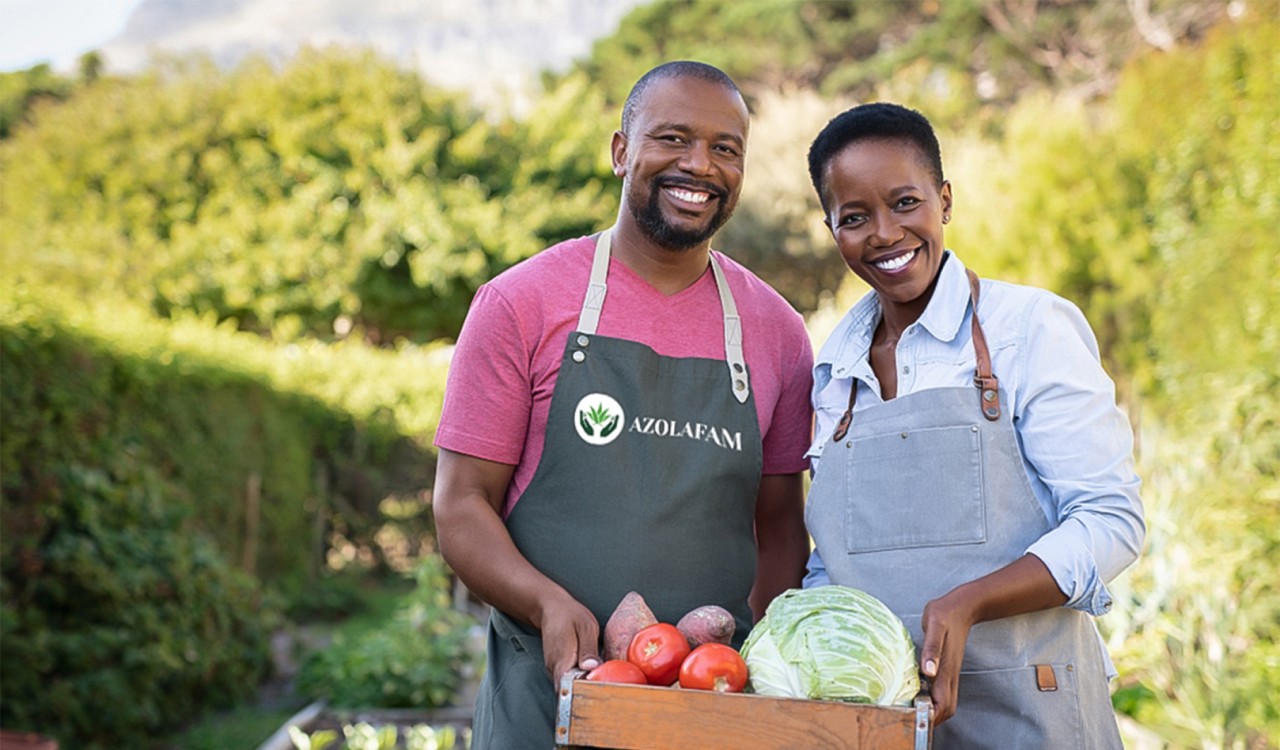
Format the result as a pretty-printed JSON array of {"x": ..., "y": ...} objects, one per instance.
[{"x": 986, "y": 381}]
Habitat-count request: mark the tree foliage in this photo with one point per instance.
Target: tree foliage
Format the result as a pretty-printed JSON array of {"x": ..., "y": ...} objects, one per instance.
[{"x": 337, "y": 191}]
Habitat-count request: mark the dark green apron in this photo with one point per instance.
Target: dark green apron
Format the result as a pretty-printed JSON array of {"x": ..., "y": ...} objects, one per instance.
[{"x": 647, "y": 482}]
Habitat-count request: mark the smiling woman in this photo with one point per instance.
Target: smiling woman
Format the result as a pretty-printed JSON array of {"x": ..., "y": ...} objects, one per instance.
[
  {"x": 56, "y": 32},
  {"x": 967, "y": 437}
]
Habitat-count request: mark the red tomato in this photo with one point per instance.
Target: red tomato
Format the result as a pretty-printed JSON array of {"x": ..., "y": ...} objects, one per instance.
[
  {"x": 714, "y": 666},
  {"x": 658, "y": 650},
  {"x": 618, "y": 670}
]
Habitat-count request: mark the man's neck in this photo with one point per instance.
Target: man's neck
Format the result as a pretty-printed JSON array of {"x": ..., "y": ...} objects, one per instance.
[{"x": 669, "y": 271}]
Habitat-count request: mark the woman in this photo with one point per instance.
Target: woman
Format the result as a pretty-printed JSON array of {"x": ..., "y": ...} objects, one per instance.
[{"x": 973, "y": 472}]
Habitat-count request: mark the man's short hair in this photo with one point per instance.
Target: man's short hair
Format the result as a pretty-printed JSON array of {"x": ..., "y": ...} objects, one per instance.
[
  {"x": 878, "y": 120},
  {"x": 674, "y": 69}
]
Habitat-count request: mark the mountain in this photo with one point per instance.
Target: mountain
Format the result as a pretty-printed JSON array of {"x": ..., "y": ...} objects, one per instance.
[{"x": 493, "y": 48}]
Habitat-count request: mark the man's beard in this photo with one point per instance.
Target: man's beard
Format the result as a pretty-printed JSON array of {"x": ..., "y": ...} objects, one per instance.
[{"x": 652, "y": 222}]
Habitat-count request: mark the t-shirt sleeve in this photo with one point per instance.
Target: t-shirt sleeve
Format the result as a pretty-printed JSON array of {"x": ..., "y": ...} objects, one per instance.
[
  {"x": 487, "y": 397},
  {"x": 791, "y": 428}
]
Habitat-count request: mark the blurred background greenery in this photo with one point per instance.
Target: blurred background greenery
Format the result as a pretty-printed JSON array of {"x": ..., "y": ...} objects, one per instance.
[{"x": 229, "y": 293}]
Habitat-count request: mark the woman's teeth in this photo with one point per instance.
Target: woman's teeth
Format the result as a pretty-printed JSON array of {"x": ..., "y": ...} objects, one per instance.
[{"x": 893, "y": 264}]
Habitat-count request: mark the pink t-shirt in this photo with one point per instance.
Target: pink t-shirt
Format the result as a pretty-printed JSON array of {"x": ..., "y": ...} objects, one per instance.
[{"x": 499, "y": 388}]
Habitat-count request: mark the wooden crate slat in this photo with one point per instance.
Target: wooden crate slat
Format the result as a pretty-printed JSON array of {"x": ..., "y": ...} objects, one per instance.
[{"x": 633, "y": 717}]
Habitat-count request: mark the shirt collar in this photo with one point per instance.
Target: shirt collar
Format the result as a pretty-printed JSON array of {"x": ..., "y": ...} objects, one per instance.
[
  {"x": 850, "y": 341},
  {"x": 946, "y": 311}
]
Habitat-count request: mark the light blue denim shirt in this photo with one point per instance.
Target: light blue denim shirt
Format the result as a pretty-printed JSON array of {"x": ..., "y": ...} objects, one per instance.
[{"x": 1077, "y": 446}]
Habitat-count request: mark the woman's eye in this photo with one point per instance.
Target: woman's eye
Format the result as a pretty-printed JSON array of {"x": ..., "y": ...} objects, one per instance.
[{"x": 908, "y": 201}]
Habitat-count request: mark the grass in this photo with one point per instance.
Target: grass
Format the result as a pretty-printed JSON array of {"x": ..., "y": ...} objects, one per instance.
[{"x": 243, "y": 728}]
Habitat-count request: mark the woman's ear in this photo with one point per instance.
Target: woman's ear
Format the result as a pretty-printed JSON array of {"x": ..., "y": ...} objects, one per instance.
[{"x": 945, "y": 194}]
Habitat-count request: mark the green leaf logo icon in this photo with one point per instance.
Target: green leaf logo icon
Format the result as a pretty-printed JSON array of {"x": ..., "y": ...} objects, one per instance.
[{"x": 598, "y": 419}]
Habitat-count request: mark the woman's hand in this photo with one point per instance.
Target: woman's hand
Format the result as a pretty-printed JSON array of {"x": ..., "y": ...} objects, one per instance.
[
  {"x": 946, "y": 622},
  {"x": 1024, "y": 585}
]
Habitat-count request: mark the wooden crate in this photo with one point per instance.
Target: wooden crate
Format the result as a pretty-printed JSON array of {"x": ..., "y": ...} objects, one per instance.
[{"x": 641, "y": 717}]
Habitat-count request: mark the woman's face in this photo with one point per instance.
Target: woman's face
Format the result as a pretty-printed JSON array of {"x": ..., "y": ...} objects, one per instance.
[{"x": 886, "y": 213}]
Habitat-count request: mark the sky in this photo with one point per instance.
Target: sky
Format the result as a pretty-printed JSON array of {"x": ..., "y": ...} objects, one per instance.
[{"x": 57, "y": 31}]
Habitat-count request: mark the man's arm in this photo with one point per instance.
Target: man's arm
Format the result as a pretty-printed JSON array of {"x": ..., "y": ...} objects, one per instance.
[
  {"x": 467, "y": 503},
  {"x": 781, "y": 538}
]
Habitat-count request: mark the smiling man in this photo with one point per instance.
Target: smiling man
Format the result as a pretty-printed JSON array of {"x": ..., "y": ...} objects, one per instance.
[{"x": 625, "y": 412}]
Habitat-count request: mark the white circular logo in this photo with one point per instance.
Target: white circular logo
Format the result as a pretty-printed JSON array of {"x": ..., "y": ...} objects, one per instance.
[{"x": 599, "y": 419}]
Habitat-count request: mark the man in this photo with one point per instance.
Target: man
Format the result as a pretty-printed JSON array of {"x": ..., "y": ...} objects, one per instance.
[{"x": 625, "y": 412}]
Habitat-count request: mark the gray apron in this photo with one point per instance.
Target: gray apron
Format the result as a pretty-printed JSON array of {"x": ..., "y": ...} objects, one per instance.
[
  {"x": 647, "y": 482},
  {"x": 927, "y": 491}
]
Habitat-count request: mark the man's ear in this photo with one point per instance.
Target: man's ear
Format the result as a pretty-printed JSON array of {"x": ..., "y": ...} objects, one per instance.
[{"x": 618, "y": 150}]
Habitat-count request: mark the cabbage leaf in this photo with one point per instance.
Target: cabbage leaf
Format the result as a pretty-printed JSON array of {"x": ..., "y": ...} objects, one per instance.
[{"x": 832, "y": 643}]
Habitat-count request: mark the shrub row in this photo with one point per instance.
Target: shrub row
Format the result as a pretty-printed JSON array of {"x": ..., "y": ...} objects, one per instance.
[{"x": 159, "y": 484}]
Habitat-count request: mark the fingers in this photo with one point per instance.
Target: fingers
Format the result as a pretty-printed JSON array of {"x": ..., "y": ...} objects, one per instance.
[
  {"x": 941, "y": 655},
  {"x": 569, "y": 642}
]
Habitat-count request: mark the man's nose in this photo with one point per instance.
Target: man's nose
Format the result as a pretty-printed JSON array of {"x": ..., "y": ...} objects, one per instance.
[{"x": 696, "y": 158}]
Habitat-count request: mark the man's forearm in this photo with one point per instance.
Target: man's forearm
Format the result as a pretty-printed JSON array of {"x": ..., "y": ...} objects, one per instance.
[{"x": 782, "y": 542}]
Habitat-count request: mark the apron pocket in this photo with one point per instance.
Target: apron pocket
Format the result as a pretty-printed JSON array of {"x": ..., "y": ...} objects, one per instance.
[
  {"x": 1010, "y": 704},
  {"x": 915, "y": 488}
]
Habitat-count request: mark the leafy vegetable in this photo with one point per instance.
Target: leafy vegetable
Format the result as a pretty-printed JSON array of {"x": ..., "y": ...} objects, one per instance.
[{"x": 832, "y": 643}]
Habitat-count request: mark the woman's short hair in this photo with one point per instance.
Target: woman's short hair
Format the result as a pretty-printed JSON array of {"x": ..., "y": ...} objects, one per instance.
[{"x": 878, "y": 120}]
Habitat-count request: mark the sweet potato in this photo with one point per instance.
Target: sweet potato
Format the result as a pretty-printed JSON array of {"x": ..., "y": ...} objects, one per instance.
[
  {"x": 709, "y": 623},
  {"x": 630, "y": 617}
]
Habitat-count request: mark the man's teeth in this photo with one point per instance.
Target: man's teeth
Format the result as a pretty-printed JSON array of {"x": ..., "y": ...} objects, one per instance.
[
  {"x": 893, "y": 264},
  {"x": 689, "y": 195}
]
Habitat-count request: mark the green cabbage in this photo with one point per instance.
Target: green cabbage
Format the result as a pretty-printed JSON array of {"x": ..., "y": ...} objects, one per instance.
[{"x": 832, "y": 643}]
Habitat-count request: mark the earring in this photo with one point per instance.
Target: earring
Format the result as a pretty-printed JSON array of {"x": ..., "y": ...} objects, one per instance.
[{"x": 946, "y": 218}]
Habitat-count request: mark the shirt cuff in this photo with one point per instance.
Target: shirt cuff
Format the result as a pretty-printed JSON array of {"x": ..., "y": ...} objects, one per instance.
[{"x": 1083, "y": 588}]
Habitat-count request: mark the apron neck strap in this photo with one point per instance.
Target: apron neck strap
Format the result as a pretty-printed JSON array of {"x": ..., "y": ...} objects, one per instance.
[
  {"x": 986, "y": 381},
  {"x": 983, "y": 378},
  {"x": 593, "y": 303}
]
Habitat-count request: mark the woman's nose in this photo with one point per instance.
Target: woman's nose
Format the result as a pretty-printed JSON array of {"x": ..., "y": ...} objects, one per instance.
[{"x": 885, "y": 231}]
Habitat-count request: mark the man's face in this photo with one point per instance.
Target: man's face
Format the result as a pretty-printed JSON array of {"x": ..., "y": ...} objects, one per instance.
[{"x": 682, "y": 160}]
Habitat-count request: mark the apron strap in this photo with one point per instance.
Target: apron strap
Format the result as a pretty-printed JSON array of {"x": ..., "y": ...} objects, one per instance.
[
  {"x": 732, "y": 336},
  {"x": 987, "y": 383},
  {"x": 593, "y": 303},
  {"x": 983, "y": 378},
  {"x": 589, "y": 318}
]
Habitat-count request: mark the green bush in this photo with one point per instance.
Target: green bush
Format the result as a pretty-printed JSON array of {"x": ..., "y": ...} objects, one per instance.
[
  {"x": 418, "y": 660},
  {"x": 117, "y": 621},
  {"x": 129, "y": 444}
]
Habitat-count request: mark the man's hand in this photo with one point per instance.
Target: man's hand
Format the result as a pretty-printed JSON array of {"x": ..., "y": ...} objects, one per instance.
[
  {"x": 570, "y": 637},
  {"x": 475, "y": 542}
]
